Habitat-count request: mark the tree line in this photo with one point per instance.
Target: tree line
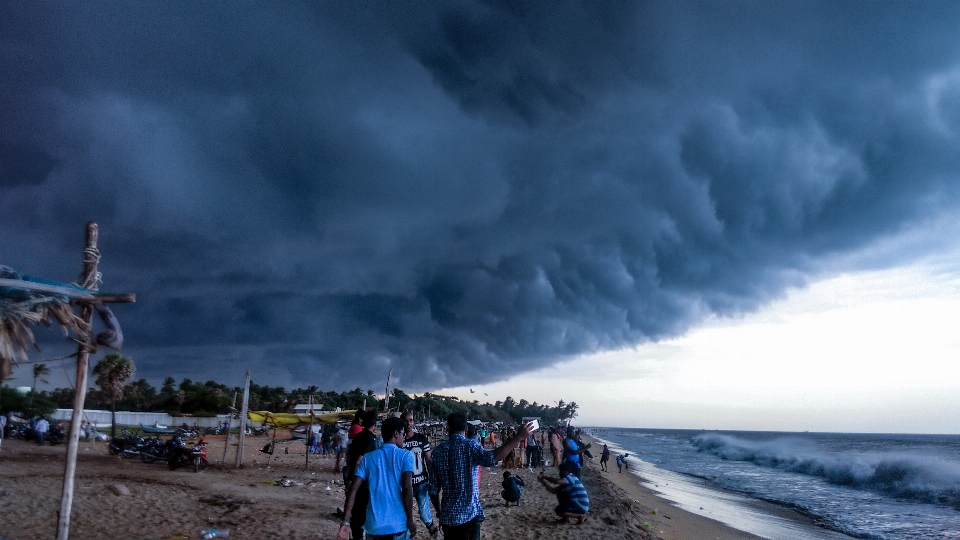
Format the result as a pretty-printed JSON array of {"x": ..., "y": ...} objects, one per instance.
[{"x": 194, "y": 398}]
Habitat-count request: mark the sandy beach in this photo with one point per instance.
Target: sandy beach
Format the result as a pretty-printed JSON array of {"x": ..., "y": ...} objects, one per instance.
[{"x": 281, "y": 497}]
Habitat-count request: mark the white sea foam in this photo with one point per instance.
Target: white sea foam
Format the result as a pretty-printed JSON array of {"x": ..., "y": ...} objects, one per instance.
[
  {"x": 876, "y": 486},
  {"x": 907, "y": 475}
]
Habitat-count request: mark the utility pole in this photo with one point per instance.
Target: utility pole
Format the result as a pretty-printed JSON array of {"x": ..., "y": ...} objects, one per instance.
[
  {"x": 306, "y": 454},
  {"x": 386, "y": 396},
  {"x": 243, "y": 420},
  {"x": 226, "y": 440}
]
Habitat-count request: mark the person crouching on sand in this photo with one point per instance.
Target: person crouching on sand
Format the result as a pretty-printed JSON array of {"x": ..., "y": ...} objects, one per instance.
[
  {"x": 622, "y": 462},
  {"x": 572, "y": 500},
  {"x": 512, "y": 488}
]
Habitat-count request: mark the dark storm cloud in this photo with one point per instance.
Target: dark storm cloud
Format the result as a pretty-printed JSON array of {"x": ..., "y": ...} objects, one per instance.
[{"x": 464, "y": 190}]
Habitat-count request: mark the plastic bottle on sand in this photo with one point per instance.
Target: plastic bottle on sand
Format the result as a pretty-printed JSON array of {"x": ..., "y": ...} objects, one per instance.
[{"x": 214, "y": 533}]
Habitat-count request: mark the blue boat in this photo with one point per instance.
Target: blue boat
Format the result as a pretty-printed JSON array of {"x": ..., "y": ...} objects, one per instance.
[{"x": 158, "y": 429}]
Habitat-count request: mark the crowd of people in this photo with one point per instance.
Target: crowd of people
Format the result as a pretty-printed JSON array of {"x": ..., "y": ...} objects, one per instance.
[
  {"x": 38, "y": 429},
  {"x": 391, "y": 476}
]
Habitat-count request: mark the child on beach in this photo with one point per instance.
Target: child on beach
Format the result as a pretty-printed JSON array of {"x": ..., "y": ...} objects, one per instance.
[
  {"x": 572, "y": 500},
  {"x": 622, "y": 462},
  {"x": 510, "y": 462},
  {"x": 512, "y": 488}
]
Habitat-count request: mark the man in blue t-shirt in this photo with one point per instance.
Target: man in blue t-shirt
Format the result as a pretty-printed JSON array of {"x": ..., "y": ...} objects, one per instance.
[{"x": 388, "y": 472}]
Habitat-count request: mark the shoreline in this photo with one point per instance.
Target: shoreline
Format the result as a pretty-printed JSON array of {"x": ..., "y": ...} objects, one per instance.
[
  {"x": 755, "y": 517},
  {"x": 666, "y": 520}
]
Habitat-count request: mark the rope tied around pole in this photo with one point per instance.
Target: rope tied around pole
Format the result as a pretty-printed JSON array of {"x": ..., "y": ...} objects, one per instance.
[{"x": 91, "y": 256}]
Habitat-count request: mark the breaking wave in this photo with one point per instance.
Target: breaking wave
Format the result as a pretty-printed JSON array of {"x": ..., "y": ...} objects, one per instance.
[{"x": 917, "y": 477}]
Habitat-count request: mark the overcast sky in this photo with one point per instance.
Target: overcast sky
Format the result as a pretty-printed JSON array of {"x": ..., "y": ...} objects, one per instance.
[{"x": 469, "y": 191}]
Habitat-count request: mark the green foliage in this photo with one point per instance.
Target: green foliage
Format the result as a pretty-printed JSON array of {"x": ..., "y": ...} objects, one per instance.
[
  {"x": 111, "y": 371},
  {"x": 39, "y": 371},
  {"x": 211, "y": 398},
  {"x": 27, "y": 405},
  {"x": 63, "y": 397}
]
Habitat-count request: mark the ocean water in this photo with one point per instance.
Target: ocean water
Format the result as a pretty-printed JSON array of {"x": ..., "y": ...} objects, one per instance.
[{"x": 850, "y": 485}]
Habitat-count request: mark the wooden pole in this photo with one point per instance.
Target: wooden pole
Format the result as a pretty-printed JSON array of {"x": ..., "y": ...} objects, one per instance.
[
  {"x": 74, "y": 295},
  {"x": 386, "y": 395},
  {"x": 309, "y": 434},
  {"x": 273, "y": 445},
  {"x": 243, "y": 420},
  {"x": 90, "y": 261},
  {"x": 226, "y": 441}
]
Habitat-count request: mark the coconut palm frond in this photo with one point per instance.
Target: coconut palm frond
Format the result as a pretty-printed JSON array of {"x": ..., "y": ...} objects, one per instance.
[{"x": 27, "y": 300}]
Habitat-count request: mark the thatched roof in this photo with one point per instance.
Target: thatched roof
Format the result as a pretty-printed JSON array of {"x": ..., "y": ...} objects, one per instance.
[{"x": 26, "y": 300}]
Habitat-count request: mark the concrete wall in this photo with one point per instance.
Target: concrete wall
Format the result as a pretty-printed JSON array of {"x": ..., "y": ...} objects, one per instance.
[{"x": 127, "y": 418}]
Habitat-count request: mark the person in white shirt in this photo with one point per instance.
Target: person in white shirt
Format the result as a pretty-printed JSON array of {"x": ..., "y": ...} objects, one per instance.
[{"x": 42, "y": 428}]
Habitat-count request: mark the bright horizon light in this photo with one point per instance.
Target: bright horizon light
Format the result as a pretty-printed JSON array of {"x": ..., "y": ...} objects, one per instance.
[{"x": 865, "y": 352}]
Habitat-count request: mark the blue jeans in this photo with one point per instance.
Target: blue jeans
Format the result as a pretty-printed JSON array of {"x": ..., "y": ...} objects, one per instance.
[{"x": 422, "y": 493}]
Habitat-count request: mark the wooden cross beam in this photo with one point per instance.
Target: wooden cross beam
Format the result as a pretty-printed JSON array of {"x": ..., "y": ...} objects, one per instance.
[
  {"x": 76, "y": 295},
  {"x": 86, "y": 344}
]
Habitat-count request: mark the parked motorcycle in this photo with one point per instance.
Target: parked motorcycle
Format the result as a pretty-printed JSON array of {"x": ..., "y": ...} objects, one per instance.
[
  {"x": 56, "y": 435},
  {"x": 22, "y": 431},
  {"x": 132, "y": 450},
  {"x": 13, "y": 430},
  {"x": 180, "y": 455},
  {"x": 125, "y": 441},
  {"x": 153, "y": 449},
  {"x": 187, "y": 433}
]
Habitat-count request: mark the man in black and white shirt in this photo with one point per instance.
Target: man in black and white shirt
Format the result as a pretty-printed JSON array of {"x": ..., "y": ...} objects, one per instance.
[{"x": 419, "y": 445}]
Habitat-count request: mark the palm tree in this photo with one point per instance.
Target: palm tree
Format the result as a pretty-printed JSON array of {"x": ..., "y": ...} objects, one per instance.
[
  {"x": 111, "y": 371},
  {"x": 180, "y": 397},
  {"x": 39, "y": 370},
  {"x": 571, "y": 410}
]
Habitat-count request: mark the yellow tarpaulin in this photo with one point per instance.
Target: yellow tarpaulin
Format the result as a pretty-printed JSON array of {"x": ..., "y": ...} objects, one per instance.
[{"x": 290, "y": 419}]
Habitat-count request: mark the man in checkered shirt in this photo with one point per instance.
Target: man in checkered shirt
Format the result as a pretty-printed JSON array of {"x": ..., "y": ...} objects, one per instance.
[{"x": 454, "y": 466}]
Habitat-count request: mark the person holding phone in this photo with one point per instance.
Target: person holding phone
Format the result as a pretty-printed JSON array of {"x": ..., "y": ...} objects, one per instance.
[{"x": 454, "y": 468}]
